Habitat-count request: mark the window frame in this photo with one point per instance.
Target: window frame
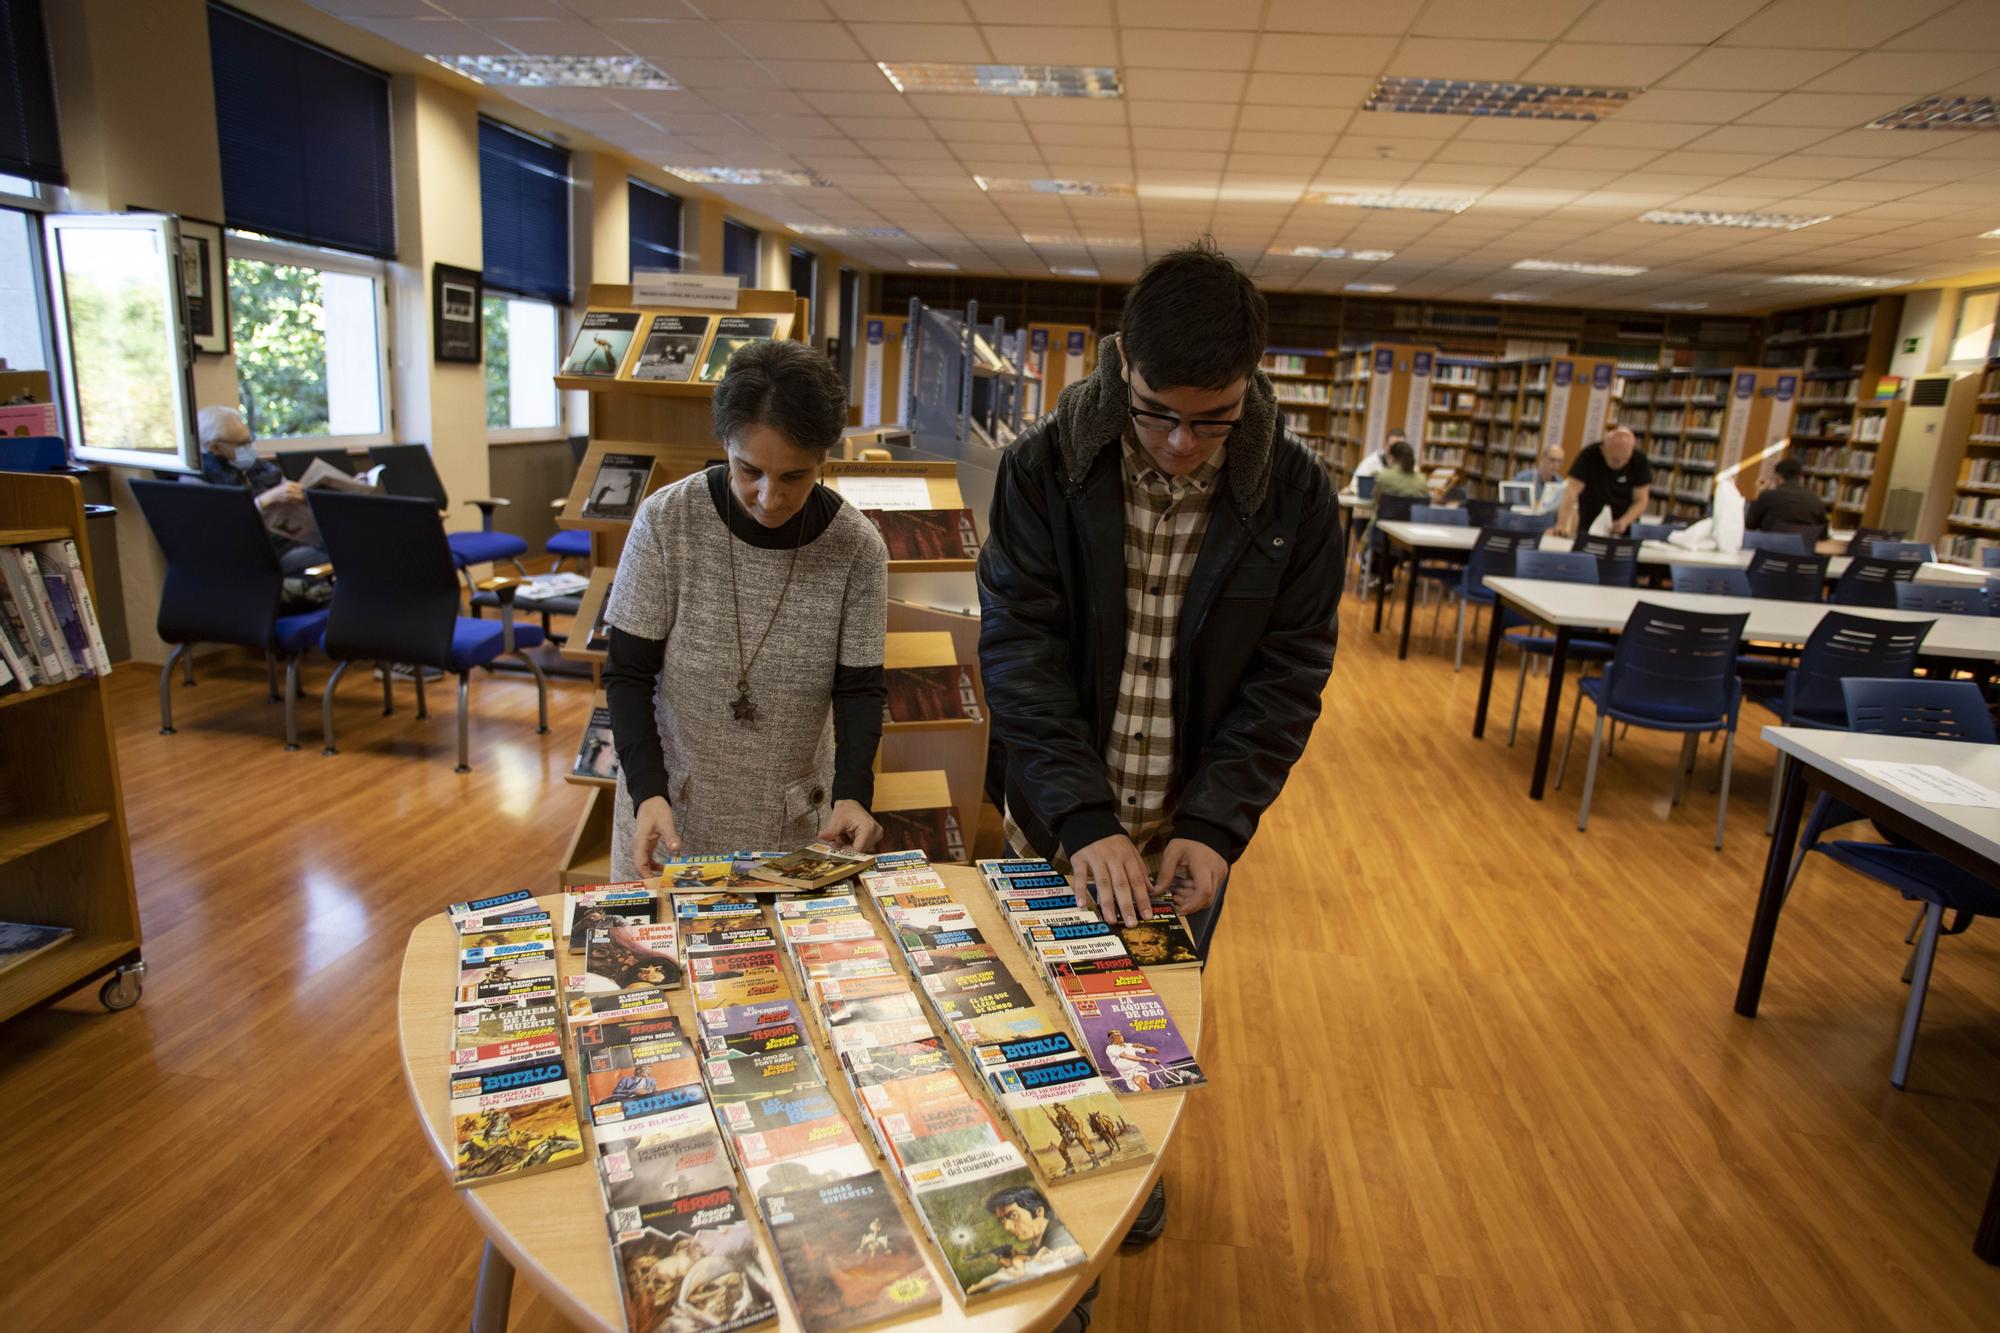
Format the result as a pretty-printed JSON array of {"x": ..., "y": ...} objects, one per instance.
[
  {"x": 566, "y": 321},
  {"x": 32, "y": 208},
  {"x": 246, "y": 245},
  {"x": 1965, "y": 300}
]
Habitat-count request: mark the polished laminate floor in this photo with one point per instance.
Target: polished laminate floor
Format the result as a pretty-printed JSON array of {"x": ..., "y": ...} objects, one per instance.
[{"x": 1469, "y": 1067}]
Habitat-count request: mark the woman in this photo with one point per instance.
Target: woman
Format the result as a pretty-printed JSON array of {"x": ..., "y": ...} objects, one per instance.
[
  {"x": 763, "y": 596},
  {"x": 1399, "y": 477}
]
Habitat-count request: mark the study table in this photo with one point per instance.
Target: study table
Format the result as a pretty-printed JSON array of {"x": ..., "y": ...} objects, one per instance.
[
  {"x": 1967, "y": 836},
  {"x": 1571, "y": 607},
  {"x": 551, "y": 1227}
]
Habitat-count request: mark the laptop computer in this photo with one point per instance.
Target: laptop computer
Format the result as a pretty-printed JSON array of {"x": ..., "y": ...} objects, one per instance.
[{"x": 1516, "y": 493}]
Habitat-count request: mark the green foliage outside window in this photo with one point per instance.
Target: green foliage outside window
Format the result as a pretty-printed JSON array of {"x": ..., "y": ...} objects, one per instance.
[
  {"x": 498, "y": 407},
  {"x": 279, "y": 328}
]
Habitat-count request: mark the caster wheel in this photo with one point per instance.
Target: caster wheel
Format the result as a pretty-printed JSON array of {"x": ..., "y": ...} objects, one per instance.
[{"x": 123, "y": 990}]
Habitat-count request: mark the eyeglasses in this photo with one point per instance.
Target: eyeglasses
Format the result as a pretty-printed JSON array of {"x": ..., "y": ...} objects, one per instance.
[{"x": 1166, "y": 425}]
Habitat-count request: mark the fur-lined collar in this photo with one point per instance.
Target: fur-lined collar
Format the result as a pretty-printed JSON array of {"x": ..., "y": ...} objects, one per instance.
[{"x": 1091, "y": 414}]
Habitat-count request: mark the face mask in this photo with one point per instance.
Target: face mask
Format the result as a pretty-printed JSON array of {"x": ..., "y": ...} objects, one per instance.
[{"x": 244, "y": 458}]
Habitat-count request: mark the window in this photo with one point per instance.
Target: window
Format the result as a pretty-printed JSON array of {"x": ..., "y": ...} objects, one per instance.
[
  {"x": 310, "y": 340},
  {"x": 522, "y": 352},
  {"x": 24, "y": 335},
  {"x": 1973, "y": 338},
  {"x": 655, "y": 227},
  {"x": 524, "y": 213},
  {"x": 304, "y": 137},
  {"x": 805, "y": 278},
  {"x": 739, "y": 251},
  {"x": 29, "y": 143}
]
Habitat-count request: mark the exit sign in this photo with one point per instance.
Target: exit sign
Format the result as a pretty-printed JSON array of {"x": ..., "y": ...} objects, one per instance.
[{"x": 1910, "y": 346}]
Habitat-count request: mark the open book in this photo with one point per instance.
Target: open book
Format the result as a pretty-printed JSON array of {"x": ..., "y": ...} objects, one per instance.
[{"x": 292, "y": 519}]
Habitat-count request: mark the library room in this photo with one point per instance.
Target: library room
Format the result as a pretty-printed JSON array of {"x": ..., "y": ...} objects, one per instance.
[{"x": 642, "y": 643}]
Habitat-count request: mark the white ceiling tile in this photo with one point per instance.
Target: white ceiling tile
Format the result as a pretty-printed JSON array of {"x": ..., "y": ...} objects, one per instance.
[
  {"x": 1979, "y": 147},
  {"x": 1177, "y": 159},
  {"x": 1694, "y": 108},
  {"x": 1172, "y": 115},
  {"x": 1158, "y": 48},
  {"x": 1683, "y": 161},
  {"x": 886, "y": 11},
  {"x": 1044, "y": 13},
  {"x": 980, "y": 131},
  {"x": 1438, "y": 58},
  {"x": 1278, "y": 141},
  {"x": 490, "y": 9},
  {"x": 1477, "y": 153},
  {"x": 1905, "y": 73},
  {"x": 876, "y": 129},
  {"x": 1581, "y": 157},
  {"x": 1216, "y": 14},
  {"x": 1071, "y": 110},
  {"x": 1971, "y": 25},
  {"x": 1762, "y": 140},
  {"x": 728, "y": 9},
  {"x": 951, "y": 42},
  {"x": 1295, "y": 53},
  {"x": 1498, "y": 129},
  {"x": 1855, "y": 23},
  {"x": 1383, "y": 149},
  {"x": 1753, "y": 68},
  {"x": 1315, "y": 120},
  {"x": 791, "y": 41},
  {"x": 1308, "y": 90},
  {"x": 434, "y": 36},
  {"x": 1062, "y": 156},
  {"x": 1647, "y": 21},
  {"x": 828, "y": 76},
  {"x": 884, "y": 103},
  {"x": 1361, "y": 174},
  {"x": 1020, "y": 45},
  {"x": 1101, "y": 135},
  {"x": 1468, "y": 176},
  {"x": 1601, "y": 65},
  {"x": 1479, "y": 18},
  {"x": 1174, "y": 85},
  {"x": 1386, "y": 18},
  {"x": 722, "y": 74},
  {"x": 1926, "y": 169},
  {"x": 1408, "y": 124},
  {"x": 964, "y": 106},
  {"x": 685, "y": 38},
  {"x": 1831, "y": 110},
  {"x": 762, "y": 100}
]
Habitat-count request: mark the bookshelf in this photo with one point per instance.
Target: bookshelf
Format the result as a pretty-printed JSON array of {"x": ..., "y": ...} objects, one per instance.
[
  {"x": 65, "y": 859},
  {"x": 1376, "y": 389},
  {"x": 1531, "y": 403},
  {"x": 1302, "y": 378},
  {"x": 1842, "y": 433},
  {"x": 1971, "y": 525}
]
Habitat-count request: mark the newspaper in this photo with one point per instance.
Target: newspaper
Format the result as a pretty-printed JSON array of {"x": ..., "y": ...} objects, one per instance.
[{"x": 293, "y": 520}]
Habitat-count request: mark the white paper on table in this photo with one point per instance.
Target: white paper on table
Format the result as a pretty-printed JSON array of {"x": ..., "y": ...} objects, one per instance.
[
  {"x": 1928, "y": 783},
  {"x": 886, "y": 492},
  {"x": 1431, "y": 532}
]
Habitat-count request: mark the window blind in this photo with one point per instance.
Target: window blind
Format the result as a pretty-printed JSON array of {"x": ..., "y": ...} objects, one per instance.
[
  {"x": 655, "y": 227},
  {"x": 29, "y": 143},
  {"x": 524, "y": 213},
  {"x": 304, "y": 134},
  {"x": 739, "y": 251}
]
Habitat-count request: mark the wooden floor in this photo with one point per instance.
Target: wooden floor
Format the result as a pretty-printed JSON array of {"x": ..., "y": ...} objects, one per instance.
[{"x": 1469, "y": 1068}]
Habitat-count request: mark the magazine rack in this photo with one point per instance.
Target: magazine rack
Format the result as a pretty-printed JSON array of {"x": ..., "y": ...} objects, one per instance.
[
  {"x": 921, "y": 792},
  {"x": 64, "y": 856},
  {"x": 953, "y": 748},
  {"x": 597, "y": 701},
  {"x": 862, "y": 482}
]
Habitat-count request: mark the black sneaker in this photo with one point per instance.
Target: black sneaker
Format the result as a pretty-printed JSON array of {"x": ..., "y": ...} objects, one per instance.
[{"x": 1151, "y": 1223}]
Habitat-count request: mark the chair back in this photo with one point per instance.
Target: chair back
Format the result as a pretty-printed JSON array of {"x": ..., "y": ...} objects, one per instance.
[
  {"x": 1481, "y": 513},
  {"x": 1617, "y": 559},
  {"x": 1812, "y": 532},
  {"x": 1654, "y": 532},
  {"x": 1918, "y": 551},
  {"x": 223, "y": 579},
  {"x": 1859, "y": 543},
  {"x": 1714, "y": 580},
  {"x": 1944, "y": 710},
  {"x": 1441, "y": 515},
  {"x": 1872, "y": 582},
  {"x": 1363, "y": 486},
  {"x": 1390, "y": 509},
  {"x": 1492, "y": 555},
  {"x": 1787, "y": 577},
  {"x": 1989, "y": 557},
  {"x": 1843, "y": 646},
  {"x": 1513, "y": 522},
  {"x": 294, "y": 462},
  {"x": 1941, "y": 599},
  {"x": 1793, "y": 542},
  {"x": 407, "y": 469},
  {"x": 1531, "y": 562},
  {"x": 1676, "y": 663},
  {"x": 395, "y": 590}
]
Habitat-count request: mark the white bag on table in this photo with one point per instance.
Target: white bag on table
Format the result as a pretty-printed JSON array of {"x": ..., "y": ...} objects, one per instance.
[
  {"x": 1695, "y": 537},
  {"x": 1728, "y": 512}
]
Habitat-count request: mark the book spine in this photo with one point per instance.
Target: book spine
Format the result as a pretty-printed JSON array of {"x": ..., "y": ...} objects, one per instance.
[
  {"x": 11, "y": 649},
  {"x": 27, "y": 606},
  {"x": 7, "y": 682},
  {"x": 76, "y": 642},
  {"x": 86, "y": 606}
]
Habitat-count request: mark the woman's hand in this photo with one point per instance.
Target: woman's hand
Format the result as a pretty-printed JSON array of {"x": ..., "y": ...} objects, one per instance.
[
  {"x": 851, "y": 828},
  {"x": 654, "y": 835}
]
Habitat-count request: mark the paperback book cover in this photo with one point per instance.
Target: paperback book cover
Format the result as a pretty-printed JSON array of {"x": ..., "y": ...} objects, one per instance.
[
  {"x": 726, "y": 879},
  {"x": 489, "y": 946},
  {"x": 601, "y": 340},
  {"x": 512, "y": 1121},
  {"x": 990, "y": 867},
  {"x": 661, "y": 1157},
  {"x": 473, "y": 1028},
  {"x": 819, "y": 959},
  {"x": 813, "y": 866},
  {"x": 741, "y": 976},
  {"x": 762, "y": 1077},
  {"x": 846, "y": 1257},
  {"x": 1047, "y": 953},
  {"x": 994, "y": 1054},
  {"x": 931, "y": 694},
  {"x": 1009, "y": 1025},
  {"x": 1068, "y": 1118},
  {"x": 1162, "y": 940},
  {"x": 767, "y": 1115},
  {"x": 926, "y": 534},
  {"x": 1135, "y": 1042},
  {"x": 696, "y": 905},
  {"x": 603, "y": 906},
  {"x": 515, "y": 898},
  {"x": 927, "y": 1116},
  {"x": 639, "y": 1000},
  {"x": 900, "y": 860},
  {"x": 496, "y": 1053},
  {"x": 622, "y": 957},
  {"x": 507, "y": 979},
  {"x": 20, "y": 941},
  {"x": 935, "y": 830},
  {"x": 891, "y": 1007},
  {"x": 1101, "y": 976},
  {"x": 896, "y": 1031},
  {"x": 802, "y": 1157},
  {"x": 992, "y": 1223},
  {"x": 867, "y": 1066},
  {"x": 785, "y": 1038},
  {"x": 596, "y": 758},
  {"x": 737, "y": 1019},
  {"x": 885, "y": 879},
  {"x": 691, "y": 1263},
  {"x": 618, "y": 487},
  {"x": 634, "y": 1109},
  {"x": 633, "y": 1073},
  {"x": 732, "y": 334},
  {"x": 724, "y": 934},
  {"x": 672, "y": 348}
]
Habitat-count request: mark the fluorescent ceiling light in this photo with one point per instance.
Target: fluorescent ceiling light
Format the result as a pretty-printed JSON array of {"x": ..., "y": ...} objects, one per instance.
[
  {"x": 1370, "y": 287},
  {"x": 1570, "y": 266},
  {"x": 1484, "y": 97},
  {"x": 1673, "y": 217},
  {"x": 1335, "y": 252},
  {"x": 1941, "y": 113},
  {"x": 748, "y": 175},
  {"x": 1075, "y": 189},
  {"x": 1516, "y": 296},
  {"x": 1990, "y": 235},
  {"x": 943, "y": 265},
  {"x": 829, "y": 229},
  {"x": 1416, "y": 203},
  {"x": 1680, "y": 305},
  {"x": 1074, "y": 272},
  {"x": 560, "y": 71},
  {"x": 1003, "y": 80},
  {"x": 1840, "y": 280}
]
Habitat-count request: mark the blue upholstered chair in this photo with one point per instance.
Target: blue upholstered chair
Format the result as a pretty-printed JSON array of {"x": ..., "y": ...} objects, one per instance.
[
  {"x": 1887, "y": 550},
  {"x": 1787, "y": 577},
  {"x": 572, "y": 543},
  {"x": 1870, "y": 581},
  {"x": 1793, "y": 543},
  {"x": 1941, "y": 599},
  {"x": 1712, "y": 580},
  {"x": 1617, "y": 559},
  {"x": 1492, "y": 554},
  {"x": 1556, "y": 567},
  {"x": 407, "y": 470}
]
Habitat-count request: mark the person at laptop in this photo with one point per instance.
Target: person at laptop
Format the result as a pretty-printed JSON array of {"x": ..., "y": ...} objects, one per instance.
[
  {"x": 1788, "y": 504},
  {"x": 1544, "y": 480},
  {"x": 1375, "y": 463}
]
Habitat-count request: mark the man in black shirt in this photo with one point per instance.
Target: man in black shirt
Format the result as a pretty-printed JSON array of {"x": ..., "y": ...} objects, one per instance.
[
  {"x": 1788, "y": 503},
  {"x": 1612, "y": 475}
]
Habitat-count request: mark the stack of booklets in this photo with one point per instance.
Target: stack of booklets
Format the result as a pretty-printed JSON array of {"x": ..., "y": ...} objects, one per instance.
[
  {"x": 48, "y": 624},
  {"x": 1086, "y": 963},
  {"x": 512, "y": 1109},
  {"x": 625, "y": 940}
]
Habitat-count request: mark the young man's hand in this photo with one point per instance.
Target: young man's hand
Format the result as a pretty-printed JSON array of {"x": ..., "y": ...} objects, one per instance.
[
  {"x": 1202, "y": 867},
  {"x": 851, "y": 827},
  {"x": 654, "y": 835},
  {"x": 1113, "y": 865}
]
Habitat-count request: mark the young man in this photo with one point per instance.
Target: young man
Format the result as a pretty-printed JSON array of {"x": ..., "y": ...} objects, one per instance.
[
  {"x": 1788, "y": 502},
  {"x": 1613, "y": 475}
]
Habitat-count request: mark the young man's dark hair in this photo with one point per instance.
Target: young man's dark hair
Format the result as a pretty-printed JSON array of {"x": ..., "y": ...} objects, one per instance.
[
  {"x": 1790, "y": 470},
  {"x": 787, "y": 386},
  {"x": 1194, "y": 320}
]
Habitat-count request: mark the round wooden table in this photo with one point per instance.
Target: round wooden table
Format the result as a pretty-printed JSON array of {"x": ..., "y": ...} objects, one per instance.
[{"x": 551, "y": 1229}]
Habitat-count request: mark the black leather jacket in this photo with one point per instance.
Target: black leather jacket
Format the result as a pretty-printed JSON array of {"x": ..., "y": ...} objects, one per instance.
[{"x": 1253, "y": 648}]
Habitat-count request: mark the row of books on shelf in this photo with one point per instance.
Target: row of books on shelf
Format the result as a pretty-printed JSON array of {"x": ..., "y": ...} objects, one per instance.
[
  {"x": 1841, "y": 391},
  {"x": 1986, "y": 427},
  {"x": 1847, "y": 462},
  {"x": 1284, "y": 363},
  {"x": 677, "y": 348},
  {"x": 1981, "y": 510},
  {"x": 1463, "y": 373},
  {"x": 1449, "y": 431},
  {"x": 1989, "y": 383},
  {"x": 1436, "y": 457},
  {"x": 48, "y": 623},
  {"x": 1981, "y": 472},
  {"x": 1869, "y": 427},
  {"x": 1823, "y": 424},
  {"x": 1309, "y": 393},
  {"x": 1446, "y": 400},
  {"x": 1965, "y": 550},
  {"x": 1845, "y": 494}
]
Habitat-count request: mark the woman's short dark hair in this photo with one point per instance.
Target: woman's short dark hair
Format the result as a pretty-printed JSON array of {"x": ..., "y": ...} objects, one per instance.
[
  {"x": 1194, "y": 320},
  {"x": 1401, "y": 457},
  {"x": 784, "y": 385}
]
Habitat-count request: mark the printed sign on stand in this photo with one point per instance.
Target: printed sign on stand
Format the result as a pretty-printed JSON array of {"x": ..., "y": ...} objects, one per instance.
[
  {"x": 1376, "y": 425},
  {"x": 1038, "y": 349},
  {"x": 1784, "y": 400},
  {"x": 702, "y": 291},
  {"x": 871, "y": 376},
  {"x": 1742, "y": 401},
  {"x": 1417, "y": 414},
  {"x": 1555, "y": 411},
  {"x": 1073, "y": 357},
  {"x": 1599, "y": 405}
]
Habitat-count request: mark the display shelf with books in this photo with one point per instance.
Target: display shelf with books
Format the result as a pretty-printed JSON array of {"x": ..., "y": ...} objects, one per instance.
[
  {"x": 1530, "y": 403},
  {"x": 1966, "y": 525},
  {"x": 1302, "y": 379},
  {"x": 929, "y": 688},
  {"x": 916, "y": 506},
  {"x": 654, "y": 352},
  {"x": 68, "y": 914}
]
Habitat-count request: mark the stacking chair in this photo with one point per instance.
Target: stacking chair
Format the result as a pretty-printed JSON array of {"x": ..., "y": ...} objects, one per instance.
[
  {"x": 1812, "y": 533},
  {"x": 294, "y": 462},
  {"x": 1365, "y": 487},
  {"x": 1870, "y": 581},
  {"x": 1388, "y": 509},
  {"x": 1556, "y": 567},
  {"x": 1943, "y": 599},
  {"x": 223, "y": 585},
  {"x": 1864, "y": 538},
  {"x": 1617, "y": 559},
  {"x": 1514, "y": 522},
  {"x": 1793, "y": 542},
  {"x": 1714, "y": 580},
  {"x": 1654, "y": 532},
  {"x": 1480, "y": 513},
  {"x": 1440, "y": 516},
  {"x": 571, "y": 543},
  {"x": 1989, "y": 557},
  {"x": 395, "y": 600},
  {"x": 1787, "y": 577},
  {"x": 407, "y": 470},
  {"x": 1492, "y": 554},
  {"x": 1442, "y": 573},
  {"x": 1917, "y": 551},
  {"x": 1939, "y": 710},
  {"x": 1673, "y": 670}
]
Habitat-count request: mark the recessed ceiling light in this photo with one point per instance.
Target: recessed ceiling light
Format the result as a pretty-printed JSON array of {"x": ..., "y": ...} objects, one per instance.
[
  {"x": 1571, "y": 266},
  {"x": 1941, "y": 113},
  {"x": 1416, "y": 203},
  {"x": 1003, "y": 80},
  {"x": 1990, "y": 235},
  {"x": 1076, "y": 189},
  {"x": 1370, "y": 287},
  {"x": 1516, "y": 296},
  {"x": 1840, "y": 280},
  {"x": 1074, "y": 272},
  {"x": 1335, "y": 252},
  {"x": 1484, "y": 97},
  {"x": 868, "y": 233},
  {"x": 1755, "y": 221},
  {"x": 748, "y": 175},
  {"x": 939, "y": 264},
  {"x": 560, "y": 71},
  {"x": 1680, "y": 305}
]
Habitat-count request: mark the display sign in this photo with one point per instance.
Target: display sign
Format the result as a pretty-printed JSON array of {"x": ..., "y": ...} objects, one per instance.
[
  {"x": 1073, "y": 357},
  {"x": 1742, "y": 401},
  {"x": 871, "y": 376},
  {"x": 1555, "y": 410},
  {"x": 701, "y": 291},
  {"x": 1597, "y": 410},
  {"x": 1417, "y": 413}
]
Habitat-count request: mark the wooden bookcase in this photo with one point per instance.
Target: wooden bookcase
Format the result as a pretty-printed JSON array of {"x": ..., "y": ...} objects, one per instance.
[
  {"x": 1302, "y": 379},
  {"x": 1060, "y": 354},
  {"x": 1972, "y": 522},
  {"x": 1842, "y": 433},
  {"x": 1527, "y": 405},
  {"x": 65, "y": 859},
  {"x": 1373, "y": 392}
]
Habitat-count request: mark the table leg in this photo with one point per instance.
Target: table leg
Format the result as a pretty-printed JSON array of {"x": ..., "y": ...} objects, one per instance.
[
  {"x": 1986, "y": 1244},
  {"x": 1771, "y": 898},
  {"x": 1493, "y": 628},
  {"x": 1409, "y": 608},
  {"x": 492, "y": 1294},
  {"x": 1558, "y": 660},
  {"x": 1379, "y": 569}
]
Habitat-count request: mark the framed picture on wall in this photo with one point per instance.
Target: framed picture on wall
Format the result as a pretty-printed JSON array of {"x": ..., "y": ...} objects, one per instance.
[
  {"x": 458, "y": 331},
  {"x": 204, "y": 270}
]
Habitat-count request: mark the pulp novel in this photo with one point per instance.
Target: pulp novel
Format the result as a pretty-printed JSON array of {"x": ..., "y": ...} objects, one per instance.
[
  {"x": 813, "y": 866},
  {"x": 622, "y": 957},
  {"x": 601, "y": 341},
  {"x": 905, "y": 860},
  {"x": 745, "y": 1078},
  {"x": 934, "y": 1107},
  {"x": 1162, "y": 940},
  {"x": 20, "y": 941},
  {"x": 595, "y": 908},
  {"x": 885, "y": 880},
  {"x": 1102, "y": 976},
  {"x": 1013, "y": 865},
  {"x": 1135, "y": 1042},
  {"x": 691, "y": 1263},
  {"x": 935, "y": 830},
  {"x": 479, "y": 906},
  {"x": 894, "y": 1032},
  {"x": 618, "y": 487},
  {"x": 512, "y": 1121},
  {"x": 506, "y": 980},
  {"x": 1068, "y": 1118},
  {"x": 661, "y": 1157},
  {"x": 642, "y": 1108},
  {"x": 510, "y": 1052},
  {"x": 802, "y": 1157},
  {"x": 672, "y": 348},
  {"x": 802, "y": 1105},
  {"x": 617, "y": 1004},
  {"x": 993, "y": 1054},
  {"x": 737, "y": 1019},
  {"x": 991, "y": 1221},
  {"x": 846, "y": 1256},
  {"x": 596, "y": 757},
  {"x": 867, "y": 1066},
  {"x": 1009, "y": 1025},
  {"x": 931, "y": 694},
  {"x": 926, "y": 534},
  {"x": 474, "y": 1028},
  {"x": 732, "y": 334}
]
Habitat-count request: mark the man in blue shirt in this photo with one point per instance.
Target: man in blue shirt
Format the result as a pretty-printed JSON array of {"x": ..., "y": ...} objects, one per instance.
[
  {"x": 1547, "y": 479},
  {"x": 229, "y": 458}
]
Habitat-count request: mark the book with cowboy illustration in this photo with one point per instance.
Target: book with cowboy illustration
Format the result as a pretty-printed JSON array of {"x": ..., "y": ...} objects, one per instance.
[{"x": 814, "y": 866}]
